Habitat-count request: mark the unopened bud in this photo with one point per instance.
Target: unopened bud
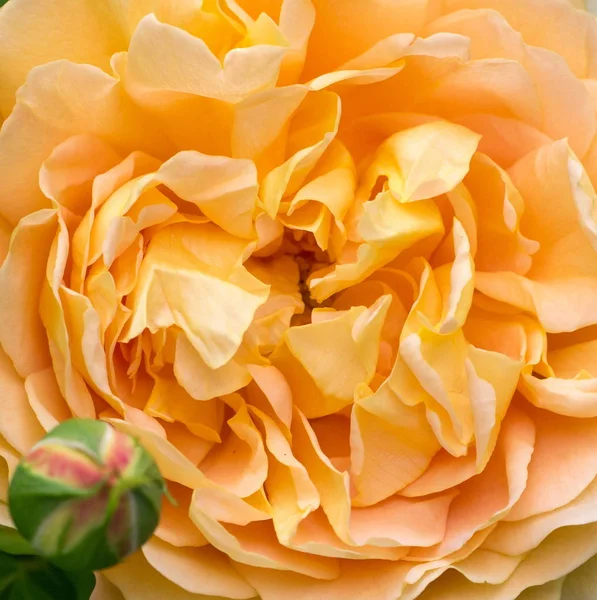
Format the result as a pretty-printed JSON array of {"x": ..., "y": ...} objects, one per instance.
[{"x": 86, "y": 496}]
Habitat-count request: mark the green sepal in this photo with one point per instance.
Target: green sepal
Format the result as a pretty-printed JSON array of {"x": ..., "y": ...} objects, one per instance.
[
  {"x": 12, "y": 542},
  {"x": 81, "y": 434},
  {"x": 33, "y": 578}
]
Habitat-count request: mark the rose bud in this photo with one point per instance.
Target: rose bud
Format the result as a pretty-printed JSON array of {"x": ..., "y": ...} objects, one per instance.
[{"x": 86, "y": 496}]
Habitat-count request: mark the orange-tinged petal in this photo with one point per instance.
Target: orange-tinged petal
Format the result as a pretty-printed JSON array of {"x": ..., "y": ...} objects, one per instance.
[
  {"x": 88, "y": 102},
  {"x": 203, "y": 382},
  {"x": 548, "y": 24},
  {"x": 291, "y": 493},
  {"x": 561, "y": 553},
  {"x": 198, "y": 570},
  {"x": 137, "y": 576},
  {"x": 332, "y": 357},
  {"x": 179, "y": 268},
  {"x": 21, "y": 278},
  {"x": 67, "y": 175},
  {"x": 564, "y": 261},
  {"x": 391, "y": 445},
  {"x": 39, "y": 35},
  {"x": 19, "y": 425},
  {"x": 157, "y": 51},
  {"x": 275, "y": 390},
  {"x": 46, "y": 399},
  {"x": 224, "y": 189},
  {"x": 562, "y": 466},
  {"x": 444, "y": 472},
  {"x": 492, "y": 379},
  {"x": 239, "y": 464},
  {"x": 489, "y": 496},
  {"x": 175, "y": 526},
  {"x": 367, "y": 580},
  {"x": 388, "y": 228},
  {"x": 171, "y": 402},
  {"x": 104, "y": 590},
  {"x": 305, "y": 146}
]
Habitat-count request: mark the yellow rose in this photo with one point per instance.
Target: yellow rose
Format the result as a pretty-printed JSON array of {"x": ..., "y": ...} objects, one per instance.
[{"x": 334, "y": 262}]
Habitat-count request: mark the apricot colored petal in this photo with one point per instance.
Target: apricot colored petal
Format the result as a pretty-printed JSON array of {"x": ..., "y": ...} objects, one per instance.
[
  {"x": 36, "y": 35},
  {"x": 19, "y": 425},
  {"x": 104, "y": 590},
  {"x": 224, "y": 189},
  {"x": 425, "y": 161},
  {"x": 569, "y": 397},
  {"x": 338, "y": 355},
  {"x": 82, "y": 325},
  {"x": 492, "y": 380},
  {"x": 548, "y": 24},
  {"x": 21, "y": 276},
  {"x": 259, "y": 547},
  {"x": 46, "y": 399},
  {"x": 458, "y": 293},
  {"x": 87, "y": 102},
  {"x": 104, "y": 186},
  {"x": 499, "y": 207},
  {"x": 387, "y": 221},
  {"x": 200, "y": 380},
  {"x": 506, "y": 140},
  {"x": 565, "y": 257},
  {"x": 289, "y": 489},
  {"x": 562, "y": 552},
  {"x": 275, "y": 390},
  {"x": 260, "y": 119},
  {"x": 562, "y": 466},
  {"x": 161, "y": 58},
  {"x": 51, "y": 310},
  {"x": 176, "y": 527},
  {"x": 391, "y": 446},
  {"x": 486, "y": 498},
  {"x": 198, "y": 570},
  {"x": 172, "y": 278},
  {"x": 367, "y": 580},
  {"x": 389, "y": 227},
  {"x": 331, "y": 484},
  {"x": 240, "y": 463},
  {"x": 171, "y": 402},
  {"x": 121, "y": 218},
  {"x": 137, "y": 576},
  {"x": 519, "y": 537},
  {"x": 444, "y": 472},
  {"x": 399, "y": 521},
  {"x": 355, "y": 28},
  {"x": 305, "y": 145},
  {"x": 67, "y": 175},
  {"x": 438, "y": 364},
  {"x": 493, "y": 38}
]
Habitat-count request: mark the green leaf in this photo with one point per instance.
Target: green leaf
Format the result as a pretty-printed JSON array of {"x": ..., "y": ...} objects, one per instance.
[
  {"x": 3, "y": 2},
  {"x": 33, "y": 578},
  {"x": 83, "y": 581},
  {"x": 12, "y": 542}
]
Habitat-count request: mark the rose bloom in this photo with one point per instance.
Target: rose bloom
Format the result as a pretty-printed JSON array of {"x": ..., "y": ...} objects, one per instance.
[{"x": 334, "y": 263}]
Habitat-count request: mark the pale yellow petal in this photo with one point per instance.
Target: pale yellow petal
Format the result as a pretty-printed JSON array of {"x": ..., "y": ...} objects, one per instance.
[
  {"x": 335, "y": 355},
  {"x": 424, "y": 161}
]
